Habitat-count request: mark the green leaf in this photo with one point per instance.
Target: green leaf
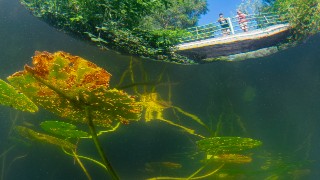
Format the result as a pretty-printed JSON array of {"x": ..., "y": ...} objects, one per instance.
[
  {"x": 217, "y": 145},
  {"x": 98, "y": 40},
  {"x": 33, "y": 135},
  {"x": 11, "y": 97},
  {"x": 63, "y": 129}
]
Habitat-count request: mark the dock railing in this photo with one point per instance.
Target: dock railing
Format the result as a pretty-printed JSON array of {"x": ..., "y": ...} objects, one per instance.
[{"x": 214, "y": 30}]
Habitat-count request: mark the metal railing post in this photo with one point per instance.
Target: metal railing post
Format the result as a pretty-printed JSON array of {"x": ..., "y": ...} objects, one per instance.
[
  {"x": 266, "y": 19},
  {"x": 197, "y": 33},
  {"x": 230, "y": 25}
]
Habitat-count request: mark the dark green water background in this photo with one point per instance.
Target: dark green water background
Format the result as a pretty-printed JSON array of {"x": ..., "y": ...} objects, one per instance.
[{"x": 277, "y": 99}]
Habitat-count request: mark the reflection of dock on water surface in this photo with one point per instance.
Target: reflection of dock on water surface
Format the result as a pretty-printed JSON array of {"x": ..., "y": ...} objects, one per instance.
[{"x": 235, "y": 44}]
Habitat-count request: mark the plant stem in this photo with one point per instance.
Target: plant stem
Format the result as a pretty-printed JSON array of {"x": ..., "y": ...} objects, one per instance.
[
  {"x": 74, "y": 154},
  {"x": 98, "y": 145}
]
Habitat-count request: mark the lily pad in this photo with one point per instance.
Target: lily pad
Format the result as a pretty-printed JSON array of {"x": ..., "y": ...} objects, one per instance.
[
  {"x": 63, "y": 129},
  {"x": 218, "y": 145},
  {"x": 9, "y": 96}
]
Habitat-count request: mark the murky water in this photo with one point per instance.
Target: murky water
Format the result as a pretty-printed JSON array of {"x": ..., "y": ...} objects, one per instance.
[{"x": 274, "y": 99}]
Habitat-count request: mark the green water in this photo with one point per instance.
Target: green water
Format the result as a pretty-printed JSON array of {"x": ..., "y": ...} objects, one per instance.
[{"x": 274, "y": 99}]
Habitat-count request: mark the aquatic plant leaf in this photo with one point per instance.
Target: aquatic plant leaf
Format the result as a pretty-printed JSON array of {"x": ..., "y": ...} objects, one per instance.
[
  {"x": 232, "y": 158},
  {"x": 153, "y": 110},
  {"x": 33, "y": 135},
  {"x": 66, "y": 85},
  {"x": 153, "y": 106},
  {"x": 217, "y": 145},
  {"x": 11, "y": 97},
  {"x": 63, "y": 129}
]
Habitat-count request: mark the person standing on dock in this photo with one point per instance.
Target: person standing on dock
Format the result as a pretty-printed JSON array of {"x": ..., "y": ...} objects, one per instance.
[
  {"x": 224, "y": 25},
  {"x": 243, "y": 22}
]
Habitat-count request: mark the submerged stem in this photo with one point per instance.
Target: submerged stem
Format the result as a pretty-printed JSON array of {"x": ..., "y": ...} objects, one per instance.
[
  {"x": 86, "y": 158},
  {"x": 98, "y": 145},
  {"x": 209, "y": 174},
  {"x": 74, "y": 154}
]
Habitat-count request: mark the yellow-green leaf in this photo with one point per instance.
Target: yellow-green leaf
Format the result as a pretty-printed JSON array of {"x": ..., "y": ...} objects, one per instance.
[
  {"x": 63, "y": 129},
  {"x": 33, "y": 135},
  {"x": 11, "y": 97}
]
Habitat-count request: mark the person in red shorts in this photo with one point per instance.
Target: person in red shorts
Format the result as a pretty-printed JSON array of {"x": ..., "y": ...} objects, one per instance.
[{"x": 243, "y": 22}]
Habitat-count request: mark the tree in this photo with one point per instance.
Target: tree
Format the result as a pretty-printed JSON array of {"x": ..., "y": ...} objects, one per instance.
[
  {"x": 303, "y": 16},
  {"x": 252, "y": 6}
]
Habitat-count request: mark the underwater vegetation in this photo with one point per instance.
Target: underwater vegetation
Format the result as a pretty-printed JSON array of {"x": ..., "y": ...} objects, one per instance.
[
  {"x": 78, "y": 91},
  {"x": 75, "y": 89}
]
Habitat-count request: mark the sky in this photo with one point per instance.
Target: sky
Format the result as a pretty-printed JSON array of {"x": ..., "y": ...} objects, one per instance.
[{"x": 227, "y": 7}]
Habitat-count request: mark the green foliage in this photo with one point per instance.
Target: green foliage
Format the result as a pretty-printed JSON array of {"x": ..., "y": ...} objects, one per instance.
[
  {"x": 217, "y": 145},
  {"x": 117, "y": 24},
  {"x": 254, "y": 6},
  {"x": 11, "y": 97},
  {"x": 33, "y": 135},
  {"x": 199, "y": 33},
  {"x": 303, "y": 16},
  {"x": 164, "y": 40},
  {"x": 63, "y": 129}
]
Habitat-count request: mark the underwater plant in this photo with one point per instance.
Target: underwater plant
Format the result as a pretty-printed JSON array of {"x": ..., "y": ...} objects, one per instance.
[
  {"x": 78, "y": 91},
  {"x": 153, "y": 105},
  {"x": 223, "y": 156},
  {"x": 74, "y": 89},
  {"x": 220, "y": 151}
]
